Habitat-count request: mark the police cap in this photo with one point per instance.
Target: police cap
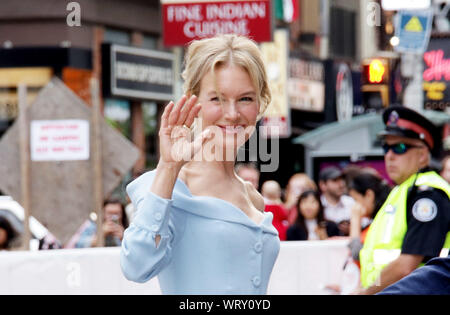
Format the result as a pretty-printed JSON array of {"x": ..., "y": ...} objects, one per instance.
[{"x": 405, "y": 122}]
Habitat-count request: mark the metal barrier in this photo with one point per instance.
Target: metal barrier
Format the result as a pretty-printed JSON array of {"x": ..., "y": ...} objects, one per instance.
[{"x": 301, "y": 268}]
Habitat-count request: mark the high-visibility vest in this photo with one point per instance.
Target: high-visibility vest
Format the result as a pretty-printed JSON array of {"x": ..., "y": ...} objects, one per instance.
[{"x": 386, "y": 233}]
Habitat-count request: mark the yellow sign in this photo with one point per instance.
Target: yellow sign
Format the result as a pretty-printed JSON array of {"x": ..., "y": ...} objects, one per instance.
[
  {"x": 31, "y": 77},
  {"x": 9, "y": 101},
  {"x": 414, "y": 25},
  {"x": 434, "y": 90},
  {"x": 10, "y": 78}
]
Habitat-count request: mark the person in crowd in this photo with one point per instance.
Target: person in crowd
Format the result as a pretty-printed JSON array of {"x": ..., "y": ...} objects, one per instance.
[
  {"x": 248, "y": 172},
  {"x": 271, "y": 192},
  {"x": 115, "y": 221},
  {"x": 412, "y": 225},
  {"x": 297, "y": 184},
  {"x": 199, "y": 226},
  {"x": 7, "y": 234},
  {"x": 311, "y": 224},
  {"x": 445, "y": 168},
  {"x": 336, "y": 203},
  {"x": 369, "y": 192}
]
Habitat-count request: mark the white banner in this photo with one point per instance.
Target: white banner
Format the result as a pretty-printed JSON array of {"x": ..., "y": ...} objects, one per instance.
[
  {"x": 59, "y": 140},
  {"x": 302, "y": 267}
]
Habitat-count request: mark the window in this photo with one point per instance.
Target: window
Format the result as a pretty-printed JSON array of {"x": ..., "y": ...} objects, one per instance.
[{"x": 342, "y": 33}]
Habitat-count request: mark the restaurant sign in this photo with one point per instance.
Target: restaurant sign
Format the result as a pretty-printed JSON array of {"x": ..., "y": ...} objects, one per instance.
[{"x": 187, "y": 20}]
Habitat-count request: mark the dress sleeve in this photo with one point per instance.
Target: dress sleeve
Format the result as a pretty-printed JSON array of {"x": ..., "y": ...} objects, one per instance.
[{"x": 140, "y": 258}]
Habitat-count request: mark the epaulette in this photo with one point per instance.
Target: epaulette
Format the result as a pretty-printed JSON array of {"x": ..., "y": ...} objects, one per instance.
[{"x": 424, "y": 188}]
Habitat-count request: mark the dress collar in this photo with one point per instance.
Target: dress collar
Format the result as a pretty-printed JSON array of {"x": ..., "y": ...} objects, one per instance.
[
  {"x": 216, "y": 208},
  {"x": 206, "y": 206}
]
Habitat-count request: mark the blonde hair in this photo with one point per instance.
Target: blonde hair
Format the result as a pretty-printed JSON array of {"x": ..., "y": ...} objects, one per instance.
[{"x": 207, "y": 54}]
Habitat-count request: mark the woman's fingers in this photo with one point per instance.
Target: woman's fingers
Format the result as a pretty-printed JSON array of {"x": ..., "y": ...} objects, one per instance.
[
  {"x": 192, "y": 114},
  {"x": 186, "y": 109},
  {"x": 175, "y": 113},
  {"x": 165, "y": 115},
  {"x": 200, "y": 140}
]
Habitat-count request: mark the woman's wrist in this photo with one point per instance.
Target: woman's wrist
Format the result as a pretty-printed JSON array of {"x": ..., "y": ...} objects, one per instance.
[
  {"x": 165, "y": 179},
  {"x": 169, "y": 168}
]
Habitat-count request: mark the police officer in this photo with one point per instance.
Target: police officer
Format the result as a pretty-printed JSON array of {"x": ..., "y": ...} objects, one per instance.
[{"x": 412, "y": 226}]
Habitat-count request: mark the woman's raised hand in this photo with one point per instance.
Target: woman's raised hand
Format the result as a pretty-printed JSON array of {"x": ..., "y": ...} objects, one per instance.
[{"x": 175, "y": 140}]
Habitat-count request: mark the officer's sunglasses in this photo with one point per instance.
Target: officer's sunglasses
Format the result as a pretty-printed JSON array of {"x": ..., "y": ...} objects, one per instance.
[{"x": 398, "y": 148}]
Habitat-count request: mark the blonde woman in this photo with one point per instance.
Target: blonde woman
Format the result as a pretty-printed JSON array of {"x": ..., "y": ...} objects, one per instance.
[{"x": 199, "y": 227}]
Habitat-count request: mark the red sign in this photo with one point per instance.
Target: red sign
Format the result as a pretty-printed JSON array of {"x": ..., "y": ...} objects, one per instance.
[{"x": 184, "y": 21}]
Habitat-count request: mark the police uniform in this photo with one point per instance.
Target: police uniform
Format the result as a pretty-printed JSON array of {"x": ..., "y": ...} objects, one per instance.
[{"x": 415, "y": 218}]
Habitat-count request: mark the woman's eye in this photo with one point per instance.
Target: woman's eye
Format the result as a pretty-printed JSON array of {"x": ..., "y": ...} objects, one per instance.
[
  {"x": 214, "y": 99},
  {"x": 246, "y": 99}
]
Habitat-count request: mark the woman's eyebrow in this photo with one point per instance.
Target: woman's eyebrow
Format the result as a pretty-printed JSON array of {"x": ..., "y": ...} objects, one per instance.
[
  {"x": 248, "y": 93},
  {"x": 212, "y": 93}
]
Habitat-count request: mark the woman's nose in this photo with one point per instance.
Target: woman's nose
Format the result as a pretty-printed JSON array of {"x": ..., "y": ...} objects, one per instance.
[{"x": 231, "y": 111}]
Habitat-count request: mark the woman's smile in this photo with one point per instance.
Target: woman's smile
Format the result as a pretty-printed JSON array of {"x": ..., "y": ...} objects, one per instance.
[{"x": 232, "y": 129}]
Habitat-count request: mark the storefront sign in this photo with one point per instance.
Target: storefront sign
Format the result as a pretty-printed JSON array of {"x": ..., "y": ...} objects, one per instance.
[
  {"x": 276, "y": 122},
  {"x": 305, "y": 86},
  {"x": 436, "y": 74},
  {"x": 186, "y": 20},
  {"x": 34, "y": 78},
  {"x": 138, "y": 73},
  {"x": 59, "y": 140}
]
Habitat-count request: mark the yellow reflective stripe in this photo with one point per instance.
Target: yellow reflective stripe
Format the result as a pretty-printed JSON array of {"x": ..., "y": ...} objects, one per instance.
[
  {"x": 389, "y": 229},
  {"x": 385, "y": 256}
]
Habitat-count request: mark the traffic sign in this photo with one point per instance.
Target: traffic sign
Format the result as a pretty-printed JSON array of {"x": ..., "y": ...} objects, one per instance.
[
  {"x": 61, "y": 188},
  {"x": 413, "y": 30}
]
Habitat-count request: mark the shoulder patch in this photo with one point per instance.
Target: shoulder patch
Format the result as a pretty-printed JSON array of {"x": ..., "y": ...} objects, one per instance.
[{"x": 424, "y": 210}]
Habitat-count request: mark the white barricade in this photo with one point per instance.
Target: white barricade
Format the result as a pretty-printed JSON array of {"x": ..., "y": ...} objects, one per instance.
[{"x": 301, "y": 268}]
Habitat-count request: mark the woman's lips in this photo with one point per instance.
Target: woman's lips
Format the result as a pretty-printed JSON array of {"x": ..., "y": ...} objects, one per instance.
[{"x": 231, "y": 129}]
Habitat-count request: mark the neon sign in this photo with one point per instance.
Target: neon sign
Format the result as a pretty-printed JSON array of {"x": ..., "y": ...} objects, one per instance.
[{"x": 438, "y": 67}]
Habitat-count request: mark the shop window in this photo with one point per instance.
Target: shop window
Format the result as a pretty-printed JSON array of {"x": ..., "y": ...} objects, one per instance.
[
  {"x": 342, "y": 33},
  {"x": 149, "y": 42},
  {"x": 116, "y": 37}
]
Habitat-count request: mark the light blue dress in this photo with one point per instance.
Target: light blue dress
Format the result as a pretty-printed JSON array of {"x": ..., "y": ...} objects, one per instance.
[{"x": 208, "y": 245}]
